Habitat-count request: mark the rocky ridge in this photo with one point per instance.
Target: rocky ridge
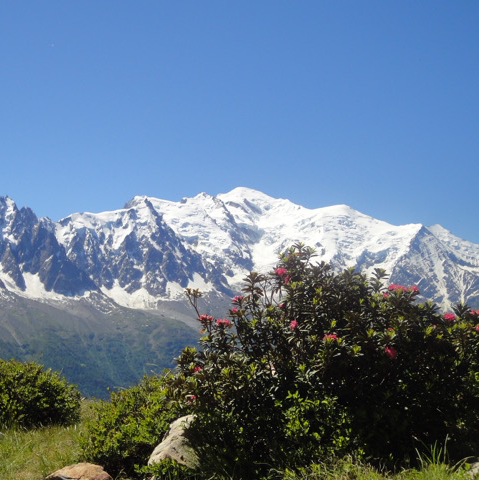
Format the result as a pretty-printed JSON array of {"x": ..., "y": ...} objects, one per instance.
[{"x": 145, "y": 254}]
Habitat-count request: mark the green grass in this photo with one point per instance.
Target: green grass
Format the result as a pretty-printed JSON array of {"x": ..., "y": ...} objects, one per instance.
[
  {"x": 33, "y": 454},
  {"x": 348, "y": 470}
]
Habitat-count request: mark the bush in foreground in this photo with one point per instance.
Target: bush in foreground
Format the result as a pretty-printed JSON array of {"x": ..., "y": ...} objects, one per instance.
[
  {"x": 31, "y": 396},
  {"x": 311, "y": 364},
  {"x": 123, "y": 432}
]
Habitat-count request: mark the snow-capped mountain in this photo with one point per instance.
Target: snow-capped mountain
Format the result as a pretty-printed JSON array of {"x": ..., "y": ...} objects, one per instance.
[
  {"x": 148, "y": 252},
  {"x": 32, "y": 261}
]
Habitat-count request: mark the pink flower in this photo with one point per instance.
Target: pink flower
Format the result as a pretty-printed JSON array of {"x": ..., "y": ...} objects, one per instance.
[
  {"x": 400, "y": 288},
  {"x": 197, "y": 369},
  {"x": 234, "y": 311},
  {"x": 390, "y": 352},
  {"x": 237, "y": 299},
  {"x": 293, "y": 325},
  {"x": 449, "y": 317},
  {"x": 191, "y": 398},
  {"x": 330, "y": 337},
  {"x": 281, "y": 271},
  {"x": 282, "y": 306},
  {"x": 223, "y": 322},
  {"x": 205, "y": 319},
  {"x": 477, "y": 328},
  {"x": 397, "y": 288},
  {"x": 385, "y": 295}
]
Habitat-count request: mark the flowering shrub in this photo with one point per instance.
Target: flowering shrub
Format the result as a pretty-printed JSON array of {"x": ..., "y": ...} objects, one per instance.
[
  {"x": 319, "y": 364},
  {"x": 124, "y": 431}
]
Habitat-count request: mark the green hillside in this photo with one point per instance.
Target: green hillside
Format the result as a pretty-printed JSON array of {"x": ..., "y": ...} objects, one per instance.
[{"x": 96, "y": 351}]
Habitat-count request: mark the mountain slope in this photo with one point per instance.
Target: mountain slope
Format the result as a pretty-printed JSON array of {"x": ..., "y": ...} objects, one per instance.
[{"x": 95, "y": 350}]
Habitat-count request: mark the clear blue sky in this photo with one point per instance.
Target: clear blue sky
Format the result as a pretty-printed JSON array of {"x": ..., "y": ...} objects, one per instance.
[{"x": 370, "y": 103}]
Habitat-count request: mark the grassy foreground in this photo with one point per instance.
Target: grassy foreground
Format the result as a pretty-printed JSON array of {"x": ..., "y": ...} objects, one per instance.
[{"x": 33, "y": 454}]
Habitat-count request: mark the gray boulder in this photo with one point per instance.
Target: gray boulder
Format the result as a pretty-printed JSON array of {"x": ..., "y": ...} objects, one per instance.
[
  {"x": 175, "y": 446},
  {"x": 474, "y": 471}
]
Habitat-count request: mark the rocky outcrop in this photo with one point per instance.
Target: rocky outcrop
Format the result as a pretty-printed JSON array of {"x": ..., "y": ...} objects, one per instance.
[
  {"x": 80, "y": 471},
  {"x": 175, "y": 446}
]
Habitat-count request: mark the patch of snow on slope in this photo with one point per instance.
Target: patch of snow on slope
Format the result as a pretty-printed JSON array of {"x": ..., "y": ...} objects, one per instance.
[
  {"x": 8, "y": 280},
  {"x": 140, "y": 298},
  {"x": 35, "y": 289},
  {"x": 199, "y": 283}
]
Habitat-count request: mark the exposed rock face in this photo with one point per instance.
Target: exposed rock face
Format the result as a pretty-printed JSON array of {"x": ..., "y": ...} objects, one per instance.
[
  {"x": 175, "y": 446},
  {"x": 31, "y": 256},
  {"x": 80, "y": 471},
  {"x": 134, "y": 251}
]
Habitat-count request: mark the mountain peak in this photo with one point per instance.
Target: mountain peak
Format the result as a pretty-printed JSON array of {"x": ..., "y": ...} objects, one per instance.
[
  {"x": 248, "y": 194},
  {"x": 8, "y": 210},
  {"x": 135, "y": 201},
  {"x": 8, "y": 203}
]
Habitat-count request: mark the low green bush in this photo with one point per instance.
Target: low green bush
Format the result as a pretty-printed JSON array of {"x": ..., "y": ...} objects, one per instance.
[
  {"x": 123, "y": 432},
  {"x": 168, "y": 469},
  {"x": 311, "y": 364},
  {"x": 31, "y": 396}
]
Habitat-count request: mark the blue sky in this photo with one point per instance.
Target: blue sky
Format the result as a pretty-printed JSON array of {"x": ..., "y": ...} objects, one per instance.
[{"x": 370, "y": 103}]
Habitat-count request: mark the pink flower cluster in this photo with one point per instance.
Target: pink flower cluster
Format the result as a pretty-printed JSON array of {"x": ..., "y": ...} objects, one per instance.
[
  {"x": 205, "y": 319},
  {"x": 283, "y": 273},
  {"x": 197, "y": 369},
  {"x": 474, "y": 312},
  {"x": 330, "y": 337},
  {"x": 223, "y": 322},
  {"x": 234, "y": 311},
  {"x": 449, "y": 317},
  {"x": 237, "y": 299},
  {"x": 293, "y": 325},
  {"x": 390, "y": 352},
  {"x": 400, "y": 288}
]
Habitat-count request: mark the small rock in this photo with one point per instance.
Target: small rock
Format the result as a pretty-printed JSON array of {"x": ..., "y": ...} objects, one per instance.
[
  {"x": 80, "y": 471},
  {"x": 474, "y": 471},
  {"x": 175, "y": 445}
]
